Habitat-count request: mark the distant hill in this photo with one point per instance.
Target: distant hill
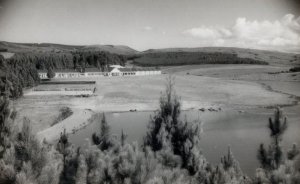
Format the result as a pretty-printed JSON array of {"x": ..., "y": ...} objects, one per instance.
[
  {"x": 192, "y": 58},
  {"x": 50, "y": 47},
  {"x": 115, "y": 49},
  {"x": 168, "y": 56},
  {"x": 35, "y": 47},
  {"x": 271, "y": 57}
]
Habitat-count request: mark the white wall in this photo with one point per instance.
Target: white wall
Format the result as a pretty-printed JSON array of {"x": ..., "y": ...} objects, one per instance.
[{"x": 43, "y": 75}]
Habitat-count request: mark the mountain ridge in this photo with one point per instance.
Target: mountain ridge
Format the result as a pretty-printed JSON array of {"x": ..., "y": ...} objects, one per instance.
[{"x": 272, "y": 57}]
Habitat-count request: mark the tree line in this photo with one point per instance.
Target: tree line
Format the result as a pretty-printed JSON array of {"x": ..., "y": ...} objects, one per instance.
[
  {"x": 98, "y": 59},
  {"x": 190, "y": 58},
  {"x": 17, "y": 73},
  {"x": 75, "y": 59},
  {"x": 170, "y": 154}
]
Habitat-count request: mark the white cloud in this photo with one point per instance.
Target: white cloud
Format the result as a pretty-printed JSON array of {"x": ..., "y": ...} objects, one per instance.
[
  {"x": 208, "y": 32},
  {"x": 148, "y": 28},
  {"x": 279, "y": 34}
]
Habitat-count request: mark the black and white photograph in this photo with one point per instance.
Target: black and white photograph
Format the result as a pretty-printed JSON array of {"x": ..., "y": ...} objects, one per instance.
[{"x": 149, "y": 91}]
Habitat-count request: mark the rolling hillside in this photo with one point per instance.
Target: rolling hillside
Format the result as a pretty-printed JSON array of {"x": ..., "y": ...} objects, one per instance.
[
  {"x": 164, "y": 57},
  {"x": 271, "y": 57},
  {"x": 56, "y": 48},
  {"x": 115, "y": 49},
  {"x": 193, "y": 58}
]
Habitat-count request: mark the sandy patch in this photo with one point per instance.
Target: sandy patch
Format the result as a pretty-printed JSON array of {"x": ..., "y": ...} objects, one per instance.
[{"x": 71, "y": 124}]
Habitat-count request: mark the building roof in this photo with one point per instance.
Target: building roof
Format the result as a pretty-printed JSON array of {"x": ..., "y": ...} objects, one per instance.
[
  {"x": 137, "y": 69},
  {"x": 116, "y": 66},
  {"x": 114, "y": 70}
]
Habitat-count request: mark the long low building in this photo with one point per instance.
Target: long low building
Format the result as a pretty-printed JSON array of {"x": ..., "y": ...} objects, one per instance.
[
  {"x": 139, "y": 71},
  {"x": 114, "y": 70},
  {"x": 123, "y": 71}
]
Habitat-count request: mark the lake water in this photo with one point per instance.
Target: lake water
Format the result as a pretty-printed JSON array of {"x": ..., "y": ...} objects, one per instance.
[{"x": 242, "y": 131}]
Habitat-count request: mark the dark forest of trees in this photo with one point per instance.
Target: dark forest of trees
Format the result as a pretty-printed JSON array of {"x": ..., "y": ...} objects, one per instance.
[
  {"x": 76, "y": 59},
  {"x": 170, "y": 154},
  {"x": 17, "y": 73},
  {"x": 190, "y": 58},
  {"x": 100, "y": 59}
]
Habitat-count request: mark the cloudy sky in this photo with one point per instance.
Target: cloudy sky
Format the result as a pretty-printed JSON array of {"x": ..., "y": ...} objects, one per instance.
[{"x": 145, "y": 24}]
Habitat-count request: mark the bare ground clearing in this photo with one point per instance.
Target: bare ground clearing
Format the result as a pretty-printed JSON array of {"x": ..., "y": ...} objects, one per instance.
[{"x": 77, "y": 121}]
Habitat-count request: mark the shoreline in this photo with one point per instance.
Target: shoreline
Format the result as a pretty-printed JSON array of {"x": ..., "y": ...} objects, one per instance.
[
  {"x": 269, "y": 88},
  {"x": 73, "y": 123}
]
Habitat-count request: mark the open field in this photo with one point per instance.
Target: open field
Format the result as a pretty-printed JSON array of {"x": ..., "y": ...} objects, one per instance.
[
  {"x": 275, "y": 77},
  {"x": 236, "y": 72}
]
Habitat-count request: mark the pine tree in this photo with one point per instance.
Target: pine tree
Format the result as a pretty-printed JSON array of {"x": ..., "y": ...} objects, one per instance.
[
  {"x": 81, "y": 175},
  {"x": 293, "y": 152},
  {"x": 271, "y": 158},
  {"x": 228, "y": 160},
  {"x": 166, "y": 118},
  {"x": 167, "y": 129},
  {"x": 7, "y": 171},
  {"x": 63, "y": 144},
  {"x": 275, "y": 167},
  {"x": 123, "y": 138},
  {"x": 4, "y": 124},
  {"x": 50, "y": 73},
  {"x": 104, "y": 139},
  {"x": 70, "y": 160},
  {"x": 277, "y": 126}
]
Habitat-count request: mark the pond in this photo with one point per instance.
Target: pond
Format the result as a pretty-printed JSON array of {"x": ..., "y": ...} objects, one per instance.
[{"x": 242, "y": 131}]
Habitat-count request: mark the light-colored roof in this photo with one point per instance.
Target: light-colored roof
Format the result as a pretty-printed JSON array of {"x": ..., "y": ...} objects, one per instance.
[
  {"x": 114, "y": 70},
  {"x": 116, "y": 66},
  {"x": 137, "y": 69}
]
